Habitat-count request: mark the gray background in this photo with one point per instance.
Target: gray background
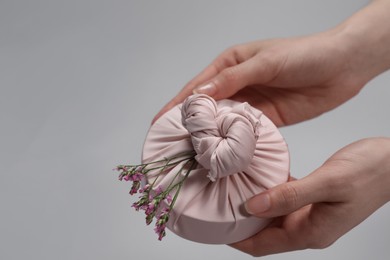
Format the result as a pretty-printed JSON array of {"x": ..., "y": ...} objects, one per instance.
[{"x": 79, "y": 84}]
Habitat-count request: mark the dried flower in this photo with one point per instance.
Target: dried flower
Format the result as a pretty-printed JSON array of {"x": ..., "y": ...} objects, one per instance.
[
  {"x": 150, "y": 201},
  {"x": 135, "y": 187},
  {"x": 161, "y": 223}
]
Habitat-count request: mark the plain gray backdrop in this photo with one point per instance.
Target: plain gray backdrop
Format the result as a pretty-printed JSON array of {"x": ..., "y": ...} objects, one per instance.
[{"x": 80, "y": 82}]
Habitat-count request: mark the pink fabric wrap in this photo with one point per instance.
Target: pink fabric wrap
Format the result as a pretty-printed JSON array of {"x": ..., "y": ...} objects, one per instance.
[{"x": 240, "y": 153}]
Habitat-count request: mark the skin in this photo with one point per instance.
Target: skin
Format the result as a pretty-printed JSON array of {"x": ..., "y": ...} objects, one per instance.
[
  {"x": 292, "y": 80},
  {"x": 318, "y": 209}
]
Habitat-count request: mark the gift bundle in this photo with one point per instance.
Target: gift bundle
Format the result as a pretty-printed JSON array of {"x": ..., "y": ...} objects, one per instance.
[{"x": 200, "y": 162}]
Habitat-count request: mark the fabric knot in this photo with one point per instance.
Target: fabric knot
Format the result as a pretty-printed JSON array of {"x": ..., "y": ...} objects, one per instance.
[{"x": 224, "y": 139}]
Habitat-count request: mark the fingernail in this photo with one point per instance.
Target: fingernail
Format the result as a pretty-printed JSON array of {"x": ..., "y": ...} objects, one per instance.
[
  {"x": 258, "y": 204},
  {"x": 208, "y": 89}
]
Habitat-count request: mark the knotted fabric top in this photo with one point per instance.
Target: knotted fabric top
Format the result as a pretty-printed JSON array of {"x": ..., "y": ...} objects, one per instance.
[
  {"x": 224, "y": 139},
  {"x": 240, "y": 153}
]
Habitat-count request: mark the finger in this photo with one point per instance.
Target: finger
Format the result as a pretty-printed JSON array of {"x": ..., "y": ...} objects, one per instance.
[
  {"x": 229, "y": 58},
  {"x": 288, "y": 197},
  {"x": 256, "y": 70},
  {"x": 202, "y": 77}
]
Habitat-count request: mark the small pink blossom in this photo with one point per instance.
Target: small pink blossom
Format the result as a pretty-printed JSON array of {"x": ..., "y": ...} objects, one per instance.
[
  {"x": 120, "y": 168},
  {"x": 136, "y": 176},
  {"x": 159, "y": 228},
  {"x": 150, "y": 208},
  {"x": 161, "y": 234},
  {"x": 168, "y": 199},
  {"x": 150, "y": 201},
  {"x": 135, "y": 187},
  {"x": 144, "y": 189},
  {"x": 160, "y": 231},
  {"x": 161, "y": 223},
  {"x": 135, "y": 206},
  {"x": 159, "y": 190}
]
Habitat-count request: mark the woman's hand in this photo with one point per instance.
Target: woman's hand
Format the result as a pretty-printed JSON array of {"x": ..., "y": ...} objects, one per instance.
[
  {"x": 290, "y": 80},
  {"x": 326, "y": 204},
  {"x": 295, "y": 79}
]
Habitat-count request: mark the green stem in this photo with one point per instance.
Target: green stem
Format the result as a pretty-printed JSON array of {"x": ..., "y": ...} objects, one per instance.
[
  {"x": 170, "y": 187},
  {"x": 168, "y": 164},
  {"x": 181, "y": 184},
  {"x": 190, "y": 154}
]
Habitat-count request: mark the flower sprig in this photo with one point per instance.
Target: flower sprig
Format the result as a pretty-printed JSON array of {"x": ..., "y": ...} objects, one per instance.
[{"x": 152, "y": 197}]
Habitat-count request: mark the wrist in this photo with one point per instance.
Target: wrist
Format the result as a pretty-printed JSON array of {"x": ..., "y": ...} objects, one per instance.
[
  {"x": 366, "y": 39},
  {"x": 379, "y": 147},
  {"x": 386, "y": 167}
]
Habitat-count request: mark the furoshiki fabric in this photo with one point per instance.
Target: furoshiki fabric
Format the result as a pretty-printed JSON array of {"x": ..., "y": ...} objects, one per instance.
[{"x": 240, "y": 153}]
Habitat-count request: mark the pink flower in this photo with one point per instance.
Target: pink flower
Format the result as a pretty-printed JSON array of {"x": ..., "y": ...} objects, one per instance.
[
  {"x": 120, "y": 168},
  {"x": 159, "y": 229},
  {"x": 168, "y": 199},
  {"x": 144, "y": 189},
  {"x": 161, "y": 234},
  {"x": 150, "y": 201},
  {"x": 164, "y": 214},
  {"x": 136, "y": 176},
  {"x": 136, "y": 206},
  {"x": 135, "y": 187},
  {"x": 150, "y": 208},
  {"x": 161, "y": 223},
  {"x": 159, "y": 190}
]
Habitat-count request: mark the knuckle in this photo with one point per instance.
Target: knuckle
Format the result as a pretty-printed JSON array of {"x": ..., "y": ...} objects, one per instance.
[
  {"x": 272, "y": 63},
  {"x": 311, "y": 241},
  {"x": 289, "y": 198},
  {"x": 233, "y": 51},
  {"x": 319, "y": 239},
  {"x": 229, "y": 75},
  {"x": 228, "y": 58},
  {"x": 338, "y": 186}
]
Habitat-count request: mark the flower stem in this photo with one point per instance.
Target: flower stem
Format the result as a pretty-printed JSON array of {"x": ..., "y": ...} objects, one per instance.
[{"x": 193, "y": 165}]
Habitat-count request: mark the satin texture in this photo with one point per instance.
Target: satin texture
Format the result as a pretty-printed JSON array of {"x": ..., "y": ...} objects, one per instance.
[{"x": 240, "y": 153}]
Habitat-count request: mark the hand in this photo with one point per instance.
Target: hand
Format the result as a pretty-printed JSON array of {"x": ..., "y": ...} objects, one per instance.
[
  {"x": 295, "y": 79},
  {"x": 326, "y": 204},
  {"x": 290, "y": 80}
]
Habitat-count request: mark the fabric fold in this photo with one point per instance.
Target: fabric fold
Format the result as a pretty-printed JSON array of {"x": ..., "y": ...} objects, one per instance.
[
  {"x": 240, "y": 153},
  {"x": 224, "y": 139}
]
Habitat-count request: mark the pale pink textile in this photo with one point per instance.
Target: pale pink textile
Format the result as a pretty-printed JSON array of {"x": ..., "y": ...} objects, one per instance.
[{"x": 240, "y": 153}]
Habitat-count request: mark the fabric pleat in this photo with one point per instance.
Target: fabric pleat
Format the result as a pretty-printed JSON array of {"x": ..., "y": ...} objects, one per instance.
[{"x": 240, "y": 153}]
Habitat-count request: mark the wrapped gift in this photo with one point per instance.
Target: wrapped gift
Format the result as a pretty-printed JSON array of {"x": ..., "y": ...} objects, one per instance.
[{"x": 201, "y": 161}]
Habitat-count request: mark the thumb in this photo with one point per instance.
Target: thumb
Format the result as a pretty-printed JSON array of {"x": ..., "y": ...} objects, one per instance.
[
  {"x": 232, "y": 79},
  {"x": 288, "y": 197}
]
